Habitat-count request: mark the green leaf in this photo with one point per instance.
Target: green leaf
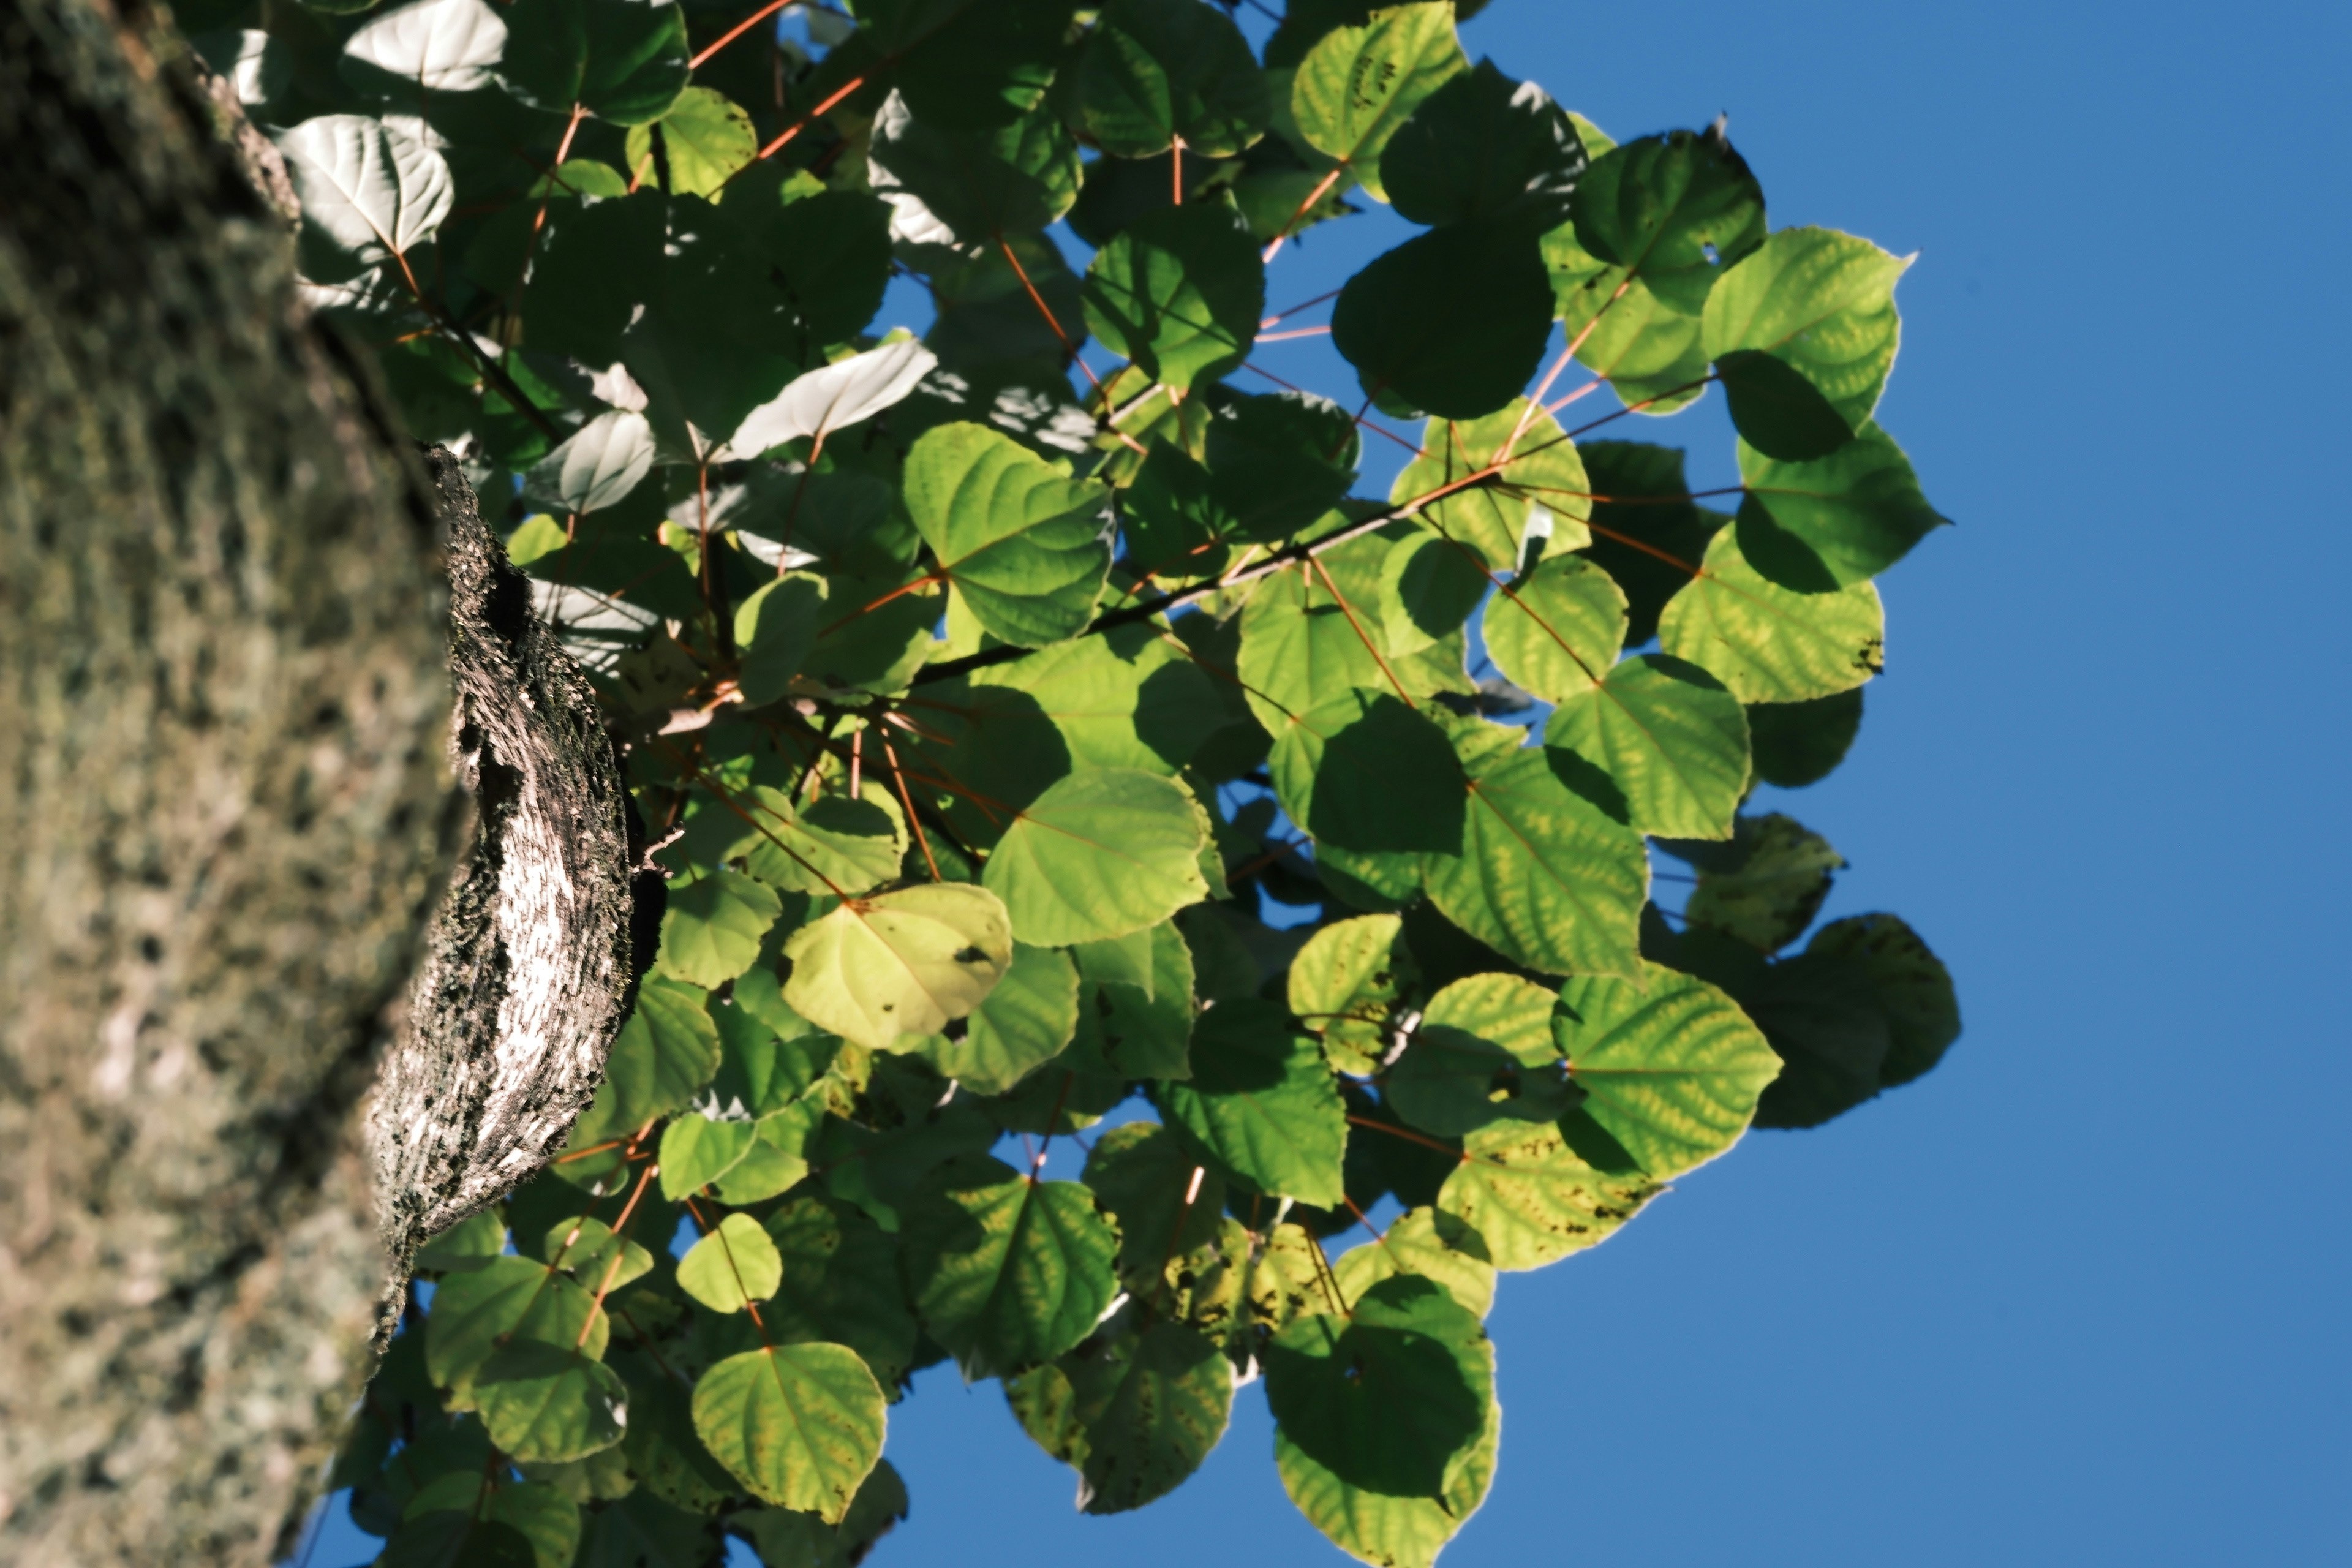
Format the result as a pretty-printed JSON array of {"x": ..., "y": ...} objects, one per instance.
[
  {"x": 1766, "y": 886},
  {"x": 1152, "y": 1405},
  {"x": 1669, "y": 1067},
  {"x": 710, "y": 932},
  {"x": 1006, "y": 1272},
  {"x": 1818, "y": 303},
  {"x": 799, "y": 1426},
  {"x": 777, "y": 1157},
  {"x": 789, "y": 1540},
  {"x": 1654, "y": 222},
  {"x": 1484, "y": 146},
  {"x": 1670, "y": 211},
  {"x": 1767, "y": 643},
  {"x": 664, "y": 1055},
  {"x": 1278, "y": 461},
  {"x": 733, "y": 1267},
  {"x": 464, "y": 1244},
  {"x": 1146, "y": 1031},
  {"x": 1358, "y": 86},
  {"x": 1558, "y": 630},
  {"x": 622, "y": 61},
  {"x": 1671, "y": 739},
  {"x": 705, "y": 139},
  {"x": 1100, "y": 854},
  {"x": 591, "y": 1253},
  {"x": 774, "y": 629},
  {"x": 447, "y": 1538},
  {"x": 696, "y": 1151},
  {"x": 901, "y": 962},
  {"x": 1913, "y": 990},
  {"x": 1823, "y": 525},
  {"x": 1263, "y": 1101},
  {"x": 1180, "y": 291},
  {"x": 1392, "y": 1531},
  {"x": 1825, "y": 1022},
  {"x": 1364, "y": 771},
  {"x": 1532, "y": 471},
  {"x": 640, "y": 1531},
  {"x": 1429, "y": 585},
  {"x": 1020, "y": 1027},
  {"x": 969, "y": 63},
  {"x": 1483, "y": 1053},
  {"x": 840, "y": 1284},
  {"x": 368, "y": 193},
  {"x": 831, "y": 253},
  {"x": 506, "y": 1299},
  {"x": 1388, "y": 1397},
  {"x": 1544, "y": 878},
  {"x": 549, "y": 1404},
  {"x": 833, "y": 845},
  {"x": 1302, "y": 648},
  {"x": 1533, "y": 1200},
  {"x": 1428, "y": 1243},
  {"x": 1155, "y": 73},
  {"x": 544, "y": 1515},
  {"x": 1452, "y": 323},
  {"x": 1349, "y": 985},
  {"x": 1166, "y": 1202},
  {"x": 1022, "y": 540},
  {"x": 983, "y": 188},
  {"x": 1647, "y": 515},
  {"x": 880, "y": 644},
  {"x": 1799, "y": 743}
]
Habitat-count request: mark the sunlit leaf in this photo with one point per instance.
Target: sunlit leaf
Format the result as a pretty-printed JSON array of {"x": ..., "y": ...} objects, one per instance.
[
  {"x": 1769, "y": 644},
  {"x": 901, "y": 962},
  {"x": 1100, "y": 854},
  {"x": 799, "y": 1426},
  {"x": 1263, "y": 1101},
  {"x": 1007, "y": 1272}
]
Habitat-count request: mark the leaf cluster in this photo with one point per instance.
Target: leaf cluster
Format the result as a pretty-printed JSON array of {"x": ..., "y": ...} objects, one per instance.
[{"x": 1056, "y": 755}]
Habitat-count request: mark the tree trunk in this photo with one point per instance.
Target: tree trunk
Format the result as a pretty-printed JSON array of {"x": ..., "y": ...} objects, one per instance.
[{"x": 227, "y": 808}]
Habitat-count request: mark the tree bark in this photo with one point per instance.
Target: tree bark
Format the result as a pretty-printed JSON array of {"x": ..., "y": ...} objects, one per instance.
[
  {"x": 228, "y": 807},
  {"x": 533, "y": 959}
]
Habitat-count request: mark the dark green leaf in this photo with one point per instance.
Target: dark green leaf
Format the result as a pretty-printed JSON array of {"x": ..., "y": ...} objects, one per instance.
[
  {"x": 1263, "y": 1101},
  {"x": 621, "y": 60},
  {"x": 1484, "y": 146},
  {"x": 1179, "y": 291},
  {"x": 1816, "y": 303},
  {"x": 1820, "y": 526},
  {"x": 1007, "y": 1272},
  {"x": 1388, "y": 1398},
  {"x": 1452, "y": 323},
  {"x": 1158, "y": 71},
  {"x": 1799, "y": 743}
]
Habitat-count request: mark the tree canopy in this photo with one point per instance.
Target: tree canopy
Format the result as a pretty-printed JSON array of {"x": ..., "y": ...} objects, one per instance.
[{"x": 1053, "y": 754}]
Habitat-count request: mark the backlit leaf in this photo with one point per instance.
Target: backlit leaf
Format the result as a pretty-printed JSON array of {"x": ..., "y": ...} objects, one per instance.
[
  {"x": 1180, "y": 291},
  {"x": 1819, "y": 303},
  {"x": 901, "y": 962},
  {"x": 1102, "y": 853},
  {"x": 735, "y": 1266},
  {"x": 799, "y": 1426},
  {"x": 1557, "y": 631},
  {"x": 1386, "y": 1398},
  {"x": 1263, "y": 1101},
  {"x": 1006, "y": 1272},
  {"x": 1533, "y": 1200},
  {"x": 1545, "y": 877},
  {"x": 1839, "y": 521},
  {"x": 1767, "y": 643},
  {"x": 1358, "y": 86},
  {"x": 1669, "y": 1067},
  {"x": 1672, "y": 742},
  {"x": 1023, "y": 542}
]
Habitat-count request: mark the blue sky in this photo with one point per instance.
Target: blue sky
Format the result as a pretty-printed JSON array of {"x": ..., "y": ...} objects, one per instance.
[{"x": 2080, "y": 1296}]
